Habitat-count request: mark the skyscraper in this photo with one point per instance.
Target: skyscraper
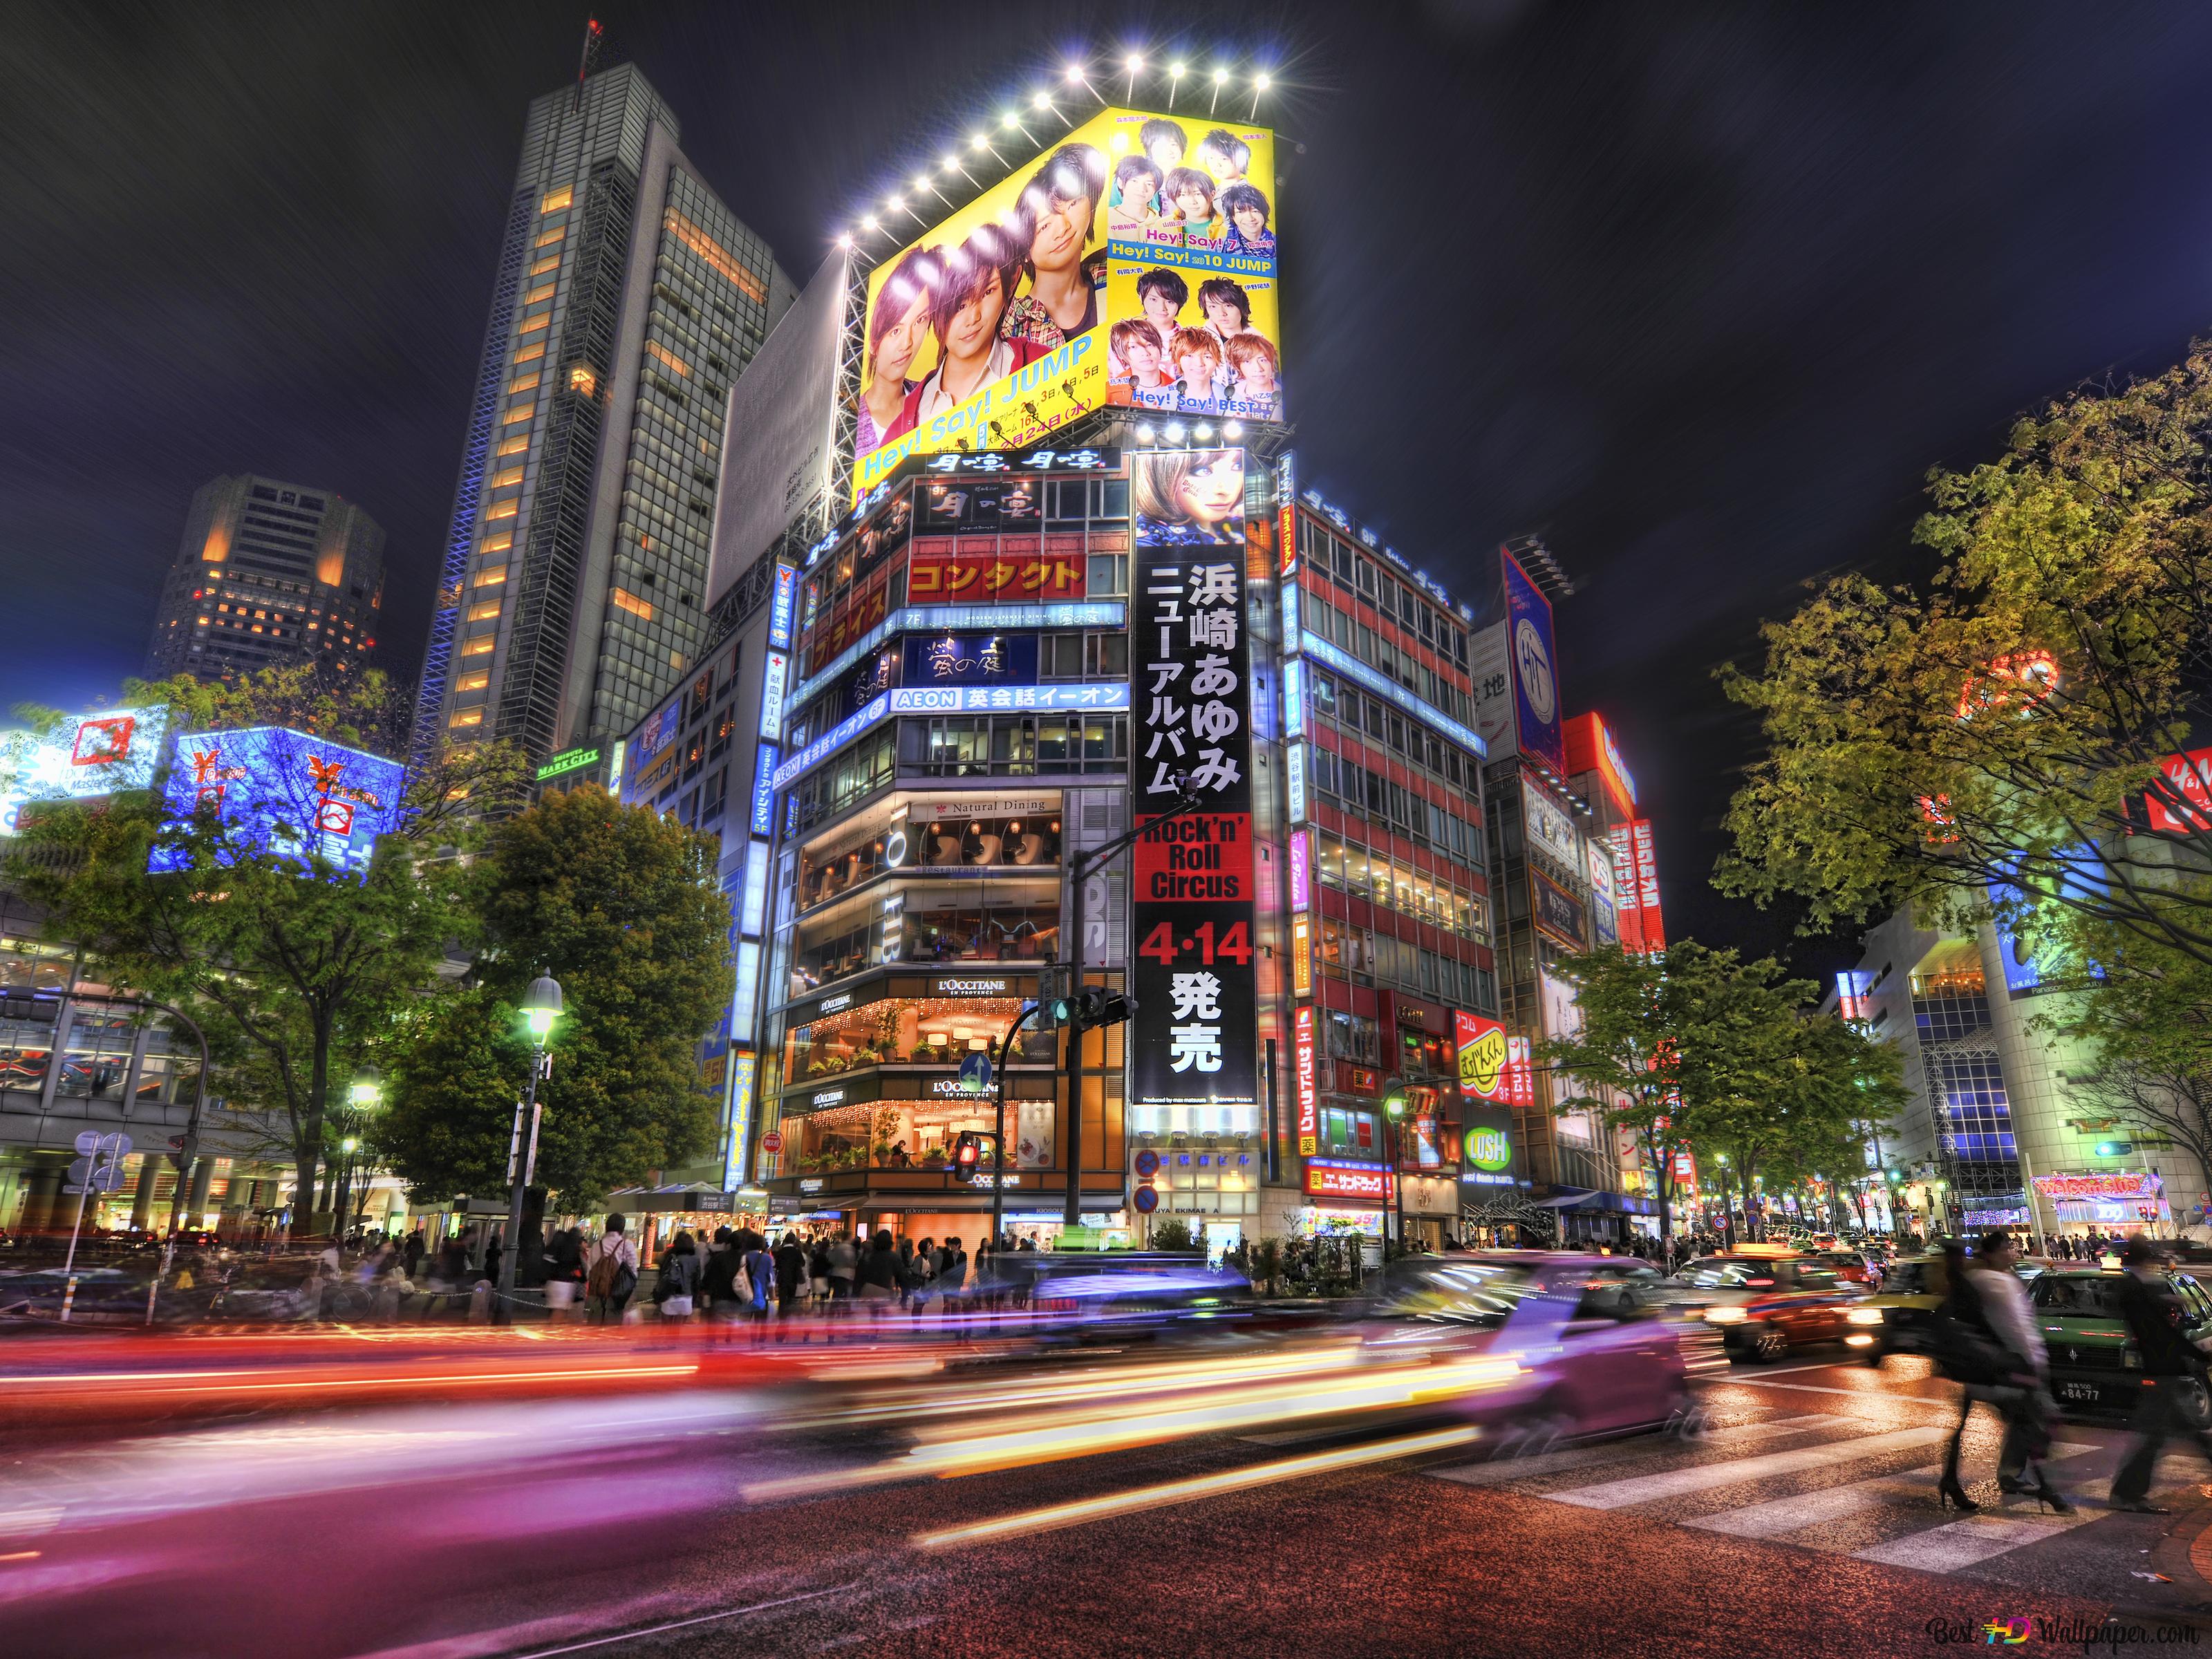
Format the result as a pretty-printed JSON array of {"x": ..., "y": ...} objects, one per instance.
[
  {"x": 269, "y": 573},
  {"x": 573, "y": 587}
]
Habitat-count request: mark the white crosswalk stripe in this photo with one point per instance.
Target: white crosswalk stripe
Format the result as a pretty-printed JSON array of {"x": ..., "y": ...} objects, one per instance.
[
  {"x": 1510, "y": 1469},
  {"x": 1704, "y": 1477},
  {"x": 1889, "y": 1517}
]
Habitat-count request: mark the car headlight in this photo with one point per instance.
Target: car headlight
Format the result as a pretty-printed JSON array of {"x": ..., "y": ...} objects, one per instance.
[
  {"x": 1864, "y": 1316},
  {"x": 1725, "y": 1316}
]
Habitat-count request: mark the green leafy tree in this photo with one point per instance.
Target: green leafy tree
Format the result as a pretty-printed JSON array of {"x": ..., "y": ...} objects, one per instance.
[
  {"x": 621, "y": 906},
  {"x": 296, "y": 968},
  {"x": 1625, "y": 1051},
  {"x": 1990, "y": 736}
]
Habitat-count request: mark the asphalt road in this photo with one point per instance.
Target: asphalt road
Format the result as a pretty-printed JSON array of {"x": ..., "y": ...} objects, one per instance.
[{"x": 1803, "y": 1520}]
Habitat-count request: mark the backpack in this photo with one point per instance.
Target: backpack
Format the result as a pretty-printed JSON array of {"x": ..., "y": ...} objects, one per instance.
[{"x": 607, "y": 1274}]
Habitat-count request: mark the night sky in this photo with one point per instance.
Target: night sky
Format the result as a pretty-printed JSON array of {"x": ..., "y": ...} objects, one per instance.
[{"x": 1698, "y": 292}]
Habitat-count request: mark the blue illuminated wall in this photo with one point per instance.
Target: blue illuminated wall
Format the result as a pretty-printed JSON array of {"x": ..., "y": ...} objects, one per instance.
[{"x": 286, "y": 792}]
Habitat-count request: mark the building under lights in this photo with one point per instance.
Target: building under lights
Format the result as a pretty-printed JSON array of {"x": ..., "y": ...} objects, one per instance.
[
  {"x": 628, "y": 300},
  {"x": 269, "y": 573},
  {"x": 1046, "y": 588}
]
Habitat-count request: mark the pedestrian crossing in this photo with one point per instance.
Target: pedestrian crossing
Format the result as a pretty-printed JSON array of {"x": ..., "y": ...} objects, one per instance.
[{"x": 1830, "y": 1483}]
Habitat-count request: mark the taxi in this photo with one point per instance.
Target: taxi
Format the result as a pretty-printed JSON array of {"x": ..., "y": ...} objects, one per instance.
[{"x": 1767, "y": 1300}]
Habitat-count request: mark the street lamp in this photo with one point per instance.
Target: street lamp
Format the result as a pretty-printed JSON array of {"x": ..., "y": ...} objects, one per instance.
[
  {"x": 363, "y": 1095},
  {"x": 1394, "y": 1109},
  {"x": 541, "y": 1007}
]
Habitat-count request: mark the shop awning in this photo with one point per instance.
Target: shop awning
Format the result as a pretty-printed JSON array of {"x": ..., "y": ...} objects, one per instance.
[
  {"x": 681, "y": 1199},
  {"x": 1590, "y": 1198}
]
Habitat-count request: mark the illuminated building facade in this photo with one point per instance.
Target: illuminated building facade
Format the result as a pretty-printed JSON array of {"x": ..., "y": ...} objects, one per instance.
[
  {"x": 629, "y": 299},
  {"x": 269, "y": 573}
]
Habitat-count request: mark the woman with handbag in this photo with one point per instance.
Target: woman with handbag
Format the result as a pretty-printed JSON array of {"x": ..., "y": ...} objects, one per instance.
[
  {"x": 679, "y": 1279},
  {"x": 1969, "y": 1349}
]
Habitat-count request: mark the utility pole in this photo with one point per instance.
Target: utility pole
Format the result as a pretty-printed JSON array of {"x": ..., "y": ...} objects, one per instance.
[{"x": 1086, "y": 865}]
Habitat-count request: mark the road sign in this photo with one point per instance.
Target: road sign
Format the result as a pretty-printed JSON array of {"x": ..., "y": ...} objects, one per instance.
[
  {"x": 772, "y": 1142},
  {"x": 89, "y": 1141},
  {"x": 1147, "y": 1199},
  {"x": 975, "y": 1074},
  {"x": 1148, "y": 1164}
]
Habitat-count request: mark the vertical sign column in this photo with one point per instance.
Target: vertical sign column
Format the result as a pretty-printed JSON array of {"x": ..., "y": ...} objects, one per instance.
[{"x": 1191, "y": 910}]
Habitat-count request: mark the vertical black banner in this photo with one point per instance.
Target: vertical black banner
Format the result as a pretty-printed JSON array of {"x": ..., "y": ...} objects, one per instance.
[{"x": 1194, "y": 1034}]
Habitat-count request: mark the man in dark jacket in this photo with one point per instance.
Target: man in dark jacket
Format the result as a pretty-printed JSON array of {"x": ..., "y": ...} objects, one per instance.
[
  {"x": 2154, "y": 1316},
  {"x": 718, "y": 1279},
  {"x": 790, "y": 1269}
]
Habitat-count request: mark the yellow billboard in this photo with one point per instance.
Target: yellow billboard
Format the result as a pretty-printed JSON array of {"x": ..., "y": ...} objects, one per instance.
[{"x": 1132, "y": 263}]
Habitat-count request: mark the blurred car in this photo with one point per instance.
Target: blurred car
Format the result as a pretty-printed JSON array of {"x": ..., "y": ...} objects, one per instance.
[
  {"x": 1765, "y": 1302},
  {"x": 1896, "y": 1318},
  {"x": 1590, "y": 1361},
  {"x": 102, "y": 1293},
  {"x": 1850, "y": 1266},
  {"x": 2094, "y": 1362}
]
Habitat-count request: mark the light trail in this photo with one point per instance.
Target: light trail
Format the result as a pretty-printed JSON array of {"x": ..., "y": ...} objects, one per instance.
[
  {"x": 1042, "y": 1438},
  {"x": 1190, "y": 1491}
]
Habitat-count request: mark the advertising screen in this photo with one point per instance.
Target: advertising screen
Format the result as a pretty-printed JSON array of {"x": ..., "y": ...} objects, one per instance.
[
  {"x": 1482, "y": 1056},
  {"x": 971, "y": 659},
  {"x": 87, "y": 755},
  {"x": 2187, "y": 781},
  {"x": 1196, "y": 985},
  {"x": 1635, "y": 887},
  {"x": 286, "y": 792},
  {"x": 1529, "y": 648},
  {"x": 940, "y": 571},
  {"x": 1591, "y": 748},
  {"x": 1131, "y": 262}
]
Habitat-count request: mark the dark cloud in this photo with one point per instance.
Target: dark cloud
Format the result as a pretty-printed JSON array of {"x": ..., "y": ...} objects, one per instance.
[{"x": 1698, "y": 291}]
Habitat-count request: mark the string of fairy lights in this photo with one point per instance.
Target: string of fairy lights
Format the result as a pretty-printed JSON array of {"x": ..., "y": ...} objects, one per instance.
[{"x": 1042, "y": 116}]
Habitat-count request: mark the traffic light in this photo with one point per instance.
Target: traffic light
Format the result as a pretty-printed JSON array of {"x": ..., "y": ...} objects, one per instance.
[
  {"x": 2115, "y": 1148},
  {"x": 966, "y": 1152},
  {"x": 182, "y": 1149},
  {"x": 1394, "y": 1104},
  {"x": 1090, "y": 1008}
]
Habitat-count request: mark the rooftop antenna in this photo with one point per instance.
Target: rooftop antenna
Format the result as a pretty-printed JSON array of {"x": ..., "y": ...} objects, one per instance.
[{"x": 593, "y": 34}]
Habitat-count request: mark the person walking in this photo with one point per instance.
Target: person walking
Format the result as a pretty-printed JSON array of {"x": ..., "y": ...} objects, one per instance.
[
  {"x": 2025, "y": 1399},
  {"x": 2153, "y": 1314},
  {"x": 790, "y": 1275},
  {"x": 1968, "y": 1352},
  {"x": 610, "y": 1274},
  {"x": 676, "y": 1286},
  {"x": 877, "y": 1276},
  {"x": 718, "y": 1279},
  {"x": 844, "y": 1270}
]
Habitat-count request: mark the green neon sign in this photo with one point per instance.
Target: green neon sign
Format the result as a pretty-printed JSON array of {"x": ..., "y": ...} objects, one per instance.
[
  {"x": 568, "y": 760},
  {"x": 1489, "y": 1148}
]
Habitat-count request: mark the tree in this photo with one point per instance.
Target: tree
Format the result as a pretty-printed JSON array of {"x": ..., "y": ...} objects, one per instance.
[
  {"x": 1625, "y": 1049},
  {"x": 621, "y": 906},
  {"x": 1994, "y": 737},
  {"x": 295, "y": 965},
  {"x": 2145, "y": 1014}
]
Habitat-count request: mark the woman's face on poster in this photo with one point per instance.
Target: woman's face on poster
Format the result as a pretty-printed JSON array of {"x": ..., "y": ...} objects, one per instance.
[
  {"x": 895, "y": 351},
  {"x": 1213, "y": 492}
]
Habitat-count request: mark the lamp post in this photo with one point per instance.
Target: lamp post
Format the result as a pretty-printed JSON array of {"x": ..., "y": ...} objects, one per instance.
[
  {"x": 541, "y": 1007},
  {"x": 363, "y": 1095},
  {"x": 1082, "y": 868},
  {"x": 1393, "y": 1111}
]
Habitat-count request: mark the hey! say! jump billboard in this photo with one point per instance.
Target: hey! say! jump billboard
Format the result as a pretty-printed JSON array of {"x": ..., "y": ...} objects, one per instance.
[{"x": 1132, "y": 263}]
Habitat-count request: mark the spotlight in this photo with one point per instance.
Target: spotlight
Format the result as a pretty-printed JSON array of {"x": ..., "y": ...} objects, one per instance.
[
  {"x": 1075, "y": 75},
  {"x": 981, "y": 141},
  {"x": 1232, "y": 430},
  {"x": 1174, "y": 71},
  {"x": 1203, "y": 433},
  {"x": 921, "y": 183},
  {"x": 869, "y": 223},
  {"x": 1041, "y": 102},
  {"x": 1260, "y": 83},
  {"x": 1144, "y": 432},
  {"x": 1220, "y": 76},
  {"x": 1132, "y": 62},
  {"x": 1175, "y": 432},
  {"x": 895, "y": 205},
  {"x": 844, "y": 242},
  {"x": 952, "y": 164},
  {"x": 1010, "y": 121}
]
